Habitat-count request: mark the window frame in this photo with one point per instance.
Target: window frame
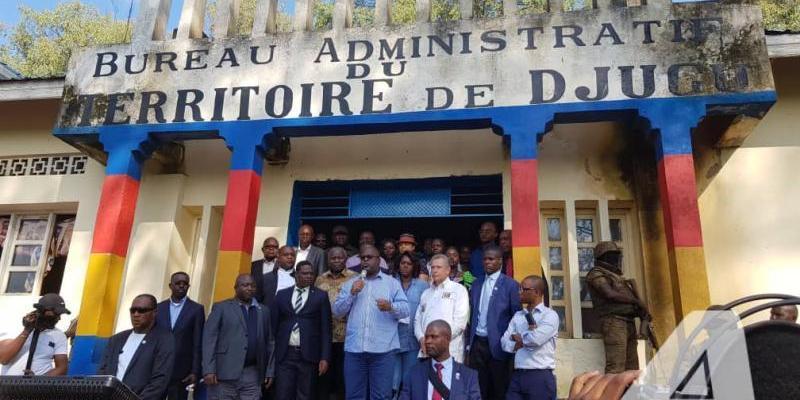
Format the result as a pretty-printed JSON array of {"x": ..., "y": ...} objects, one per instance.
[
  {"x": 545, "y": 215},
  {"x": 10, "y": 244}
]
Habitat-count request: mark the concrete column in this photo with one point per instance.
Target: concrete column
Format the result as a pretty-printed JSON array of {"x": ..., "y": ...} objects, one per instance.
[
  {"x": 127, "y": 149},
  {"x": 241, "y": 207},
  {"x": 523, "y": 132},
  {"x": 673, "y": 121}
]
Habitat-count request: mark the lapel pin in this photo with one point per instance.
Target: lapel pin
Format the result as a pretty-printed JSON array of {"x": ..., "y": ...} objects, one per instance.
[
  {"x": 458, "y": 376},
  {"x": 144, "y": 341}
]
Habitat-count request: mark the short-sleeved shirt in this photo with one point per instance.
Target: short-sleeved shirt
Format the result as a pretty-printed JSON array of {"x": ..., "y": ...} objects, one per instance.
[
  {"x": 51, "y": 343},
  {"x": 332, "y": 284}
]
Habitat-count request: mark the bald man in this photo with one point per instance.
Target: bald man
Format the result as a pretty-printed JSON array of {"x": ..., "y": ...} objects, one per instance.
[
  {"x": 531, "y": 336},
  {"x": 784, "y": 313}
]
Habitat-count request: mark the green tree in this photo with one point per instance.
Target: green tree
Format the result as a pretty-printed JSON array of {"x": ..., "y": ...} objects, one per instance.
[
  {"x": 781, "y": 15},
  {"x": 40, "y": 44}
]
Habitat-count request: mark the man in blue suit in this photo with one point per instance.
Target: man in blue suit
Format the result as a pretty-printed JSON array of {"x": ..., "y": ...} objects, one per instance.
[
  {"x": 302, "y": 326},
  {"x": 185, "y": 319},
  {"x": 441, "y": 377},
  {"x": 494, "y": 299}
]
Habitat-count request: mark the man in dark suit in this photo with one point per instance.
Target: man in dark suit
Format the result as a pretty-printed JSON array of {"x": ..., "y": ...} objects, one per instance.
[
  {"x": 236, "y": 350},
  {"x": 185, "y": 319},
  {"x": 306, "y": 251},
  {"x": 494, "y": 299},
  {"x": 267, "y": 285},
  {"x": 141, "y": 357},
  {"x": 259, "y": 268},
  {"x": 429, "y": 378},
  {"x": 302, "y": 325}
]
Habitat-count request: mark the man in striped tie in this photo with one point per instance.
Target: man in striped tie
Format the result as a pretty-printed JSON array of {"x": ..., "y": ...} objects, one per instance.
[
  {"x": 440, "y": 377},
  {"x": 302, "y": 322}
]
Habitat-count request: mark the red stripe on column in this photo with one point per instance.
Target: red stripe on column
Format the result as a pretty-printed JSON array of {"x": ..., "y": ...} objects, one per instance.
[
  {"x": 241, "y": 208},
  {"x": 115, "y": 214},
  {"x": 679, "y": 200},
  {"x": 525, "y": 202}
]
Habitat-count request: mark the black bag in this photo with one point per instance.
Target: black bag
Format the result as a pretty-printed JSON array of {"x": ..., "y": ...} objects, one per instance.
[
  {"x": 438, "y": 385},
  {"x": 32, "y": 349}
]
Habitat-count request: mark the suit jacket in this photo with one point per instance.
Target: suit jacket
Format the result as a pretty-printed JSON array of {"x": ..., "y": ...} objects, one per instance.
[
  {"x": 188, "y": 335},
  {"x": 463, "y": 384},
  {"x": 266, "y": 284},
  {"x": 503, "y": 304},
  {"x": 149, "y": 370},
  {"x": 314, "y": 320},
  {"x": 225, "y": 341},
  {"x": 257, "y": 271},
  {"x": 316, "y": 257}
]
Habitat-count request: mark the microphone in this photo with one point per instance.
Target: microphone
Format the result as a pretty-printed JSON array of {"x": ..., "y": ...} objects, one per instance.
[{"x": 363, "y": 273}]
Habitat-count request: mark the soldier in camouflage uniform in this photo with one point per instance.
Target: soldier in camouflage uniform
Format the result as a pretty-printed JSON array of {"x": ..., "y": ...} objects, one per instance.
[{"x": 616, "y": 305}]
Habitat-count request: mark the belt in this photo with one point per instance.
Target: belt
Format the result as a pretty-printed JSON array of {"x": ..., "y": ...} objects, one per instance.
[{"x": 482, "y": 338}]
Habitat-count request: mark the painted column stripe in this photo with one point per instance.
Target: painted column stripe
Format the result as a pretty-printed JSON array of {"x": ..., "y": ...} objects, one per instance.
[
  {"x": 87, "y": 351},
  {"x": 527, "y": 261},
  {"x": 688, "y": 266},
  {"x": 679, "y": 200},
  {"x": 525, "y": 203},
  {"x": 241, "y": 207},
  {"x": 229, "y": 265},
  {"x": 115, "y": 215}
]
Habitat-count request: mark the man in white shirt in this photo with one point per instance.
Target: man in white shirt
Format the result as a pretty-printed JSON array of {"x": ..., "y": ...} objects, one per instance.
[
  {"x": 443, "y": 300},
  {"x": 280, "y": 278},
  {"x": 531, "y": 336},
  {"x": 142, "y": 357},
  {"x": 306, "y": 251},
  {"x": 50, "y": 352}
]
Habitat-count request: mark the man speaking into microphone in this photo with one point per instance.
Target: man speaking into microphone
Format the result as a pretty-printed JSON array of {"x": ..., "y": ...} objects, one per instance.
[{"x": 375, "y": 303}]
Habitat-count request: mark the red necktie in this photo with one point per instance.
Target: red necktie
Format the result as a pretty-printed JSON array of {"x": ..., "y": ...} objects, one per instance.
[{"x": 436, "y": 395}]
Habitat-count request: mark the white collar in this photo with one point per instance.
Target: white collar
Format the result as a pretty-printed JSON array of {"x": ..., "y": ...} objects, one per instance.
[{"x": 441, "y": 285}]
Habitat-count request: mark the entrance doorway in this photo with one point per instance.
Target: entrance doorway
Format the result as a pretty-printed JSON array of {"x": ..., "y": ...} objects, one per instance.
[{"x": 450, "y": 208}]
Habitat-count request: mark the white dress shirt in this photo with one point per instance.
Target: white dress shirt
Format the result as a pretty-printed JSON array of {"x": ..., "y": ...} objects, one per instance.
[
  {"x": 128, "y": 350},
  {"x": 302, "y": 255},
  {"x": 539, "y": 344},
  {"x": 175, "y": 310},
  {"x": 285, "y": 279},
  {"x": 447, "y": 374},
  {"x": 449, "y": 302},
  {"x": 483, "y": 306},
  {"x": 269, "y": 266},
  {"x": 294, "y": 337}
]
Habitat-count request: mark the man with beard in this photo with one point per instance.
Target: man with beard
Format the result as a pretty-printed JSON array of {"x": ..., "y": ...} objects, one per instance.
[{"x": 50, "y": 352}]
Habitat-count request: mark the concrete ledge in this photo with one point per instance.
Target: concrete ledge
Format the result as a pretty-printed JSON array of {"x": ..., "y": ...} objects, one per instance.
[
  {"x": 782, "y": 46},
  {"x": 31, "y": 89}
]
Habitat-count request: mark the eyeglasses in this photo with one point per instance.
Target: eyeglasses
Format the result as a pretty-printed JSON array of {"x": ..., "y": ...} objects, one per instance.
[
  {"x": 140, "y": 310},
  {"x": 523, "y": 289}
]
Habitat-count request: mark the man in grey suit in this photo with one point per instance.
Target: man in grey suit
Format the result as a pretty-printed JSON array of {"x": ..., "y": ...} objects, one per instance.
[
  {"x": 236, "y": 351},
  {"x": 307, "y": 251}
]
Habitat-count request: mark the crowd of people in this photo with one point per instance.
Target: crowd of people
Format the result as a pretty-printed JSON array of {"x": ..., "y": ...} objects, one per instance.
[{"x": 320, "y": 321}]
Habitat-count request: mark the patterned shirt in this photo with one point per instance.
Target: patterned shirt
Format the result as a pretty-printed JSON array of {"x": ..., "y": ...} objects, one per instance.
[{"x": 332, "y": 285}]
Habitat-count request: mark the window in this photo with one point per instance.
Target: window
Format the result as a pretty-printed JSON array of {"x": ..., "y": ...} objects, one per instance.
[
  {"x": 33, "y": 250},
  {"x": 556, "y": 240},
  {"x": 587, "y": 233}
]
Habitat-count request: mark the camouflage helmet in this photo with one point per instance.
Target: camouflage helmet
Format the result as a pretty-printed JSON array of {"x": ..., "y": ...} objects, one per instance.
[{"x": 605, "y": 247}]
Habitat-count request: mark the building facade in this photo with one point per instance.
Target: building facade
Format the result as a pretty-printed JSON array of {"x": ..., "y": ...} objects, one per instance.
[{"x": 636, "y": 124}]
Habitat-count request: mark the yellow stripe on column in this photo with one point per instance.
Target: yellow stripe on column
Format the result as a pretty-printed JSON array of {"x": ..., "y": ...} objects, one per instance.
[
  {"x": 98, "y": 307},
  {"x": 690, "y": 281},
  {"x": 229, "y": 265},
  {"x": 527, "y": 261}
]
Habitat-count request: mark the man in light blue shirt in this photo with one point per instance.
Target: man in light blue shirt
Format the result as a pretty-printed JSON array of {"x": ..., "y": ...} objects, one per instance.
[
  {"x": 375, "y": 303},
  {"x": 531, "y": 335}
]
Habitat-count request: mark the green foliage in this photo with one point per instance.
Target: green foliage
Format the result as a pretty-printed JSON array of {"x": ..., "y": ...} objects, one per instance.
[
  {"x": 404, "y": 12},
  {"x": 40, "y": 44},
  {"x": 781, "y": 15},
  {"x": 532, "y": 6},
  {"x": 444, "y": 10},
  {"x": 323, "y": 15}
]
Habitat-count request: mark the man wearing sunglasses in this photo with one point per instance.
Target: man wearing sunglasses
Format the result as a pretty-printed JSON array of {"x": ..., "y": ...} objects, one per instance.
[{"x": 142, "y": 357}]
